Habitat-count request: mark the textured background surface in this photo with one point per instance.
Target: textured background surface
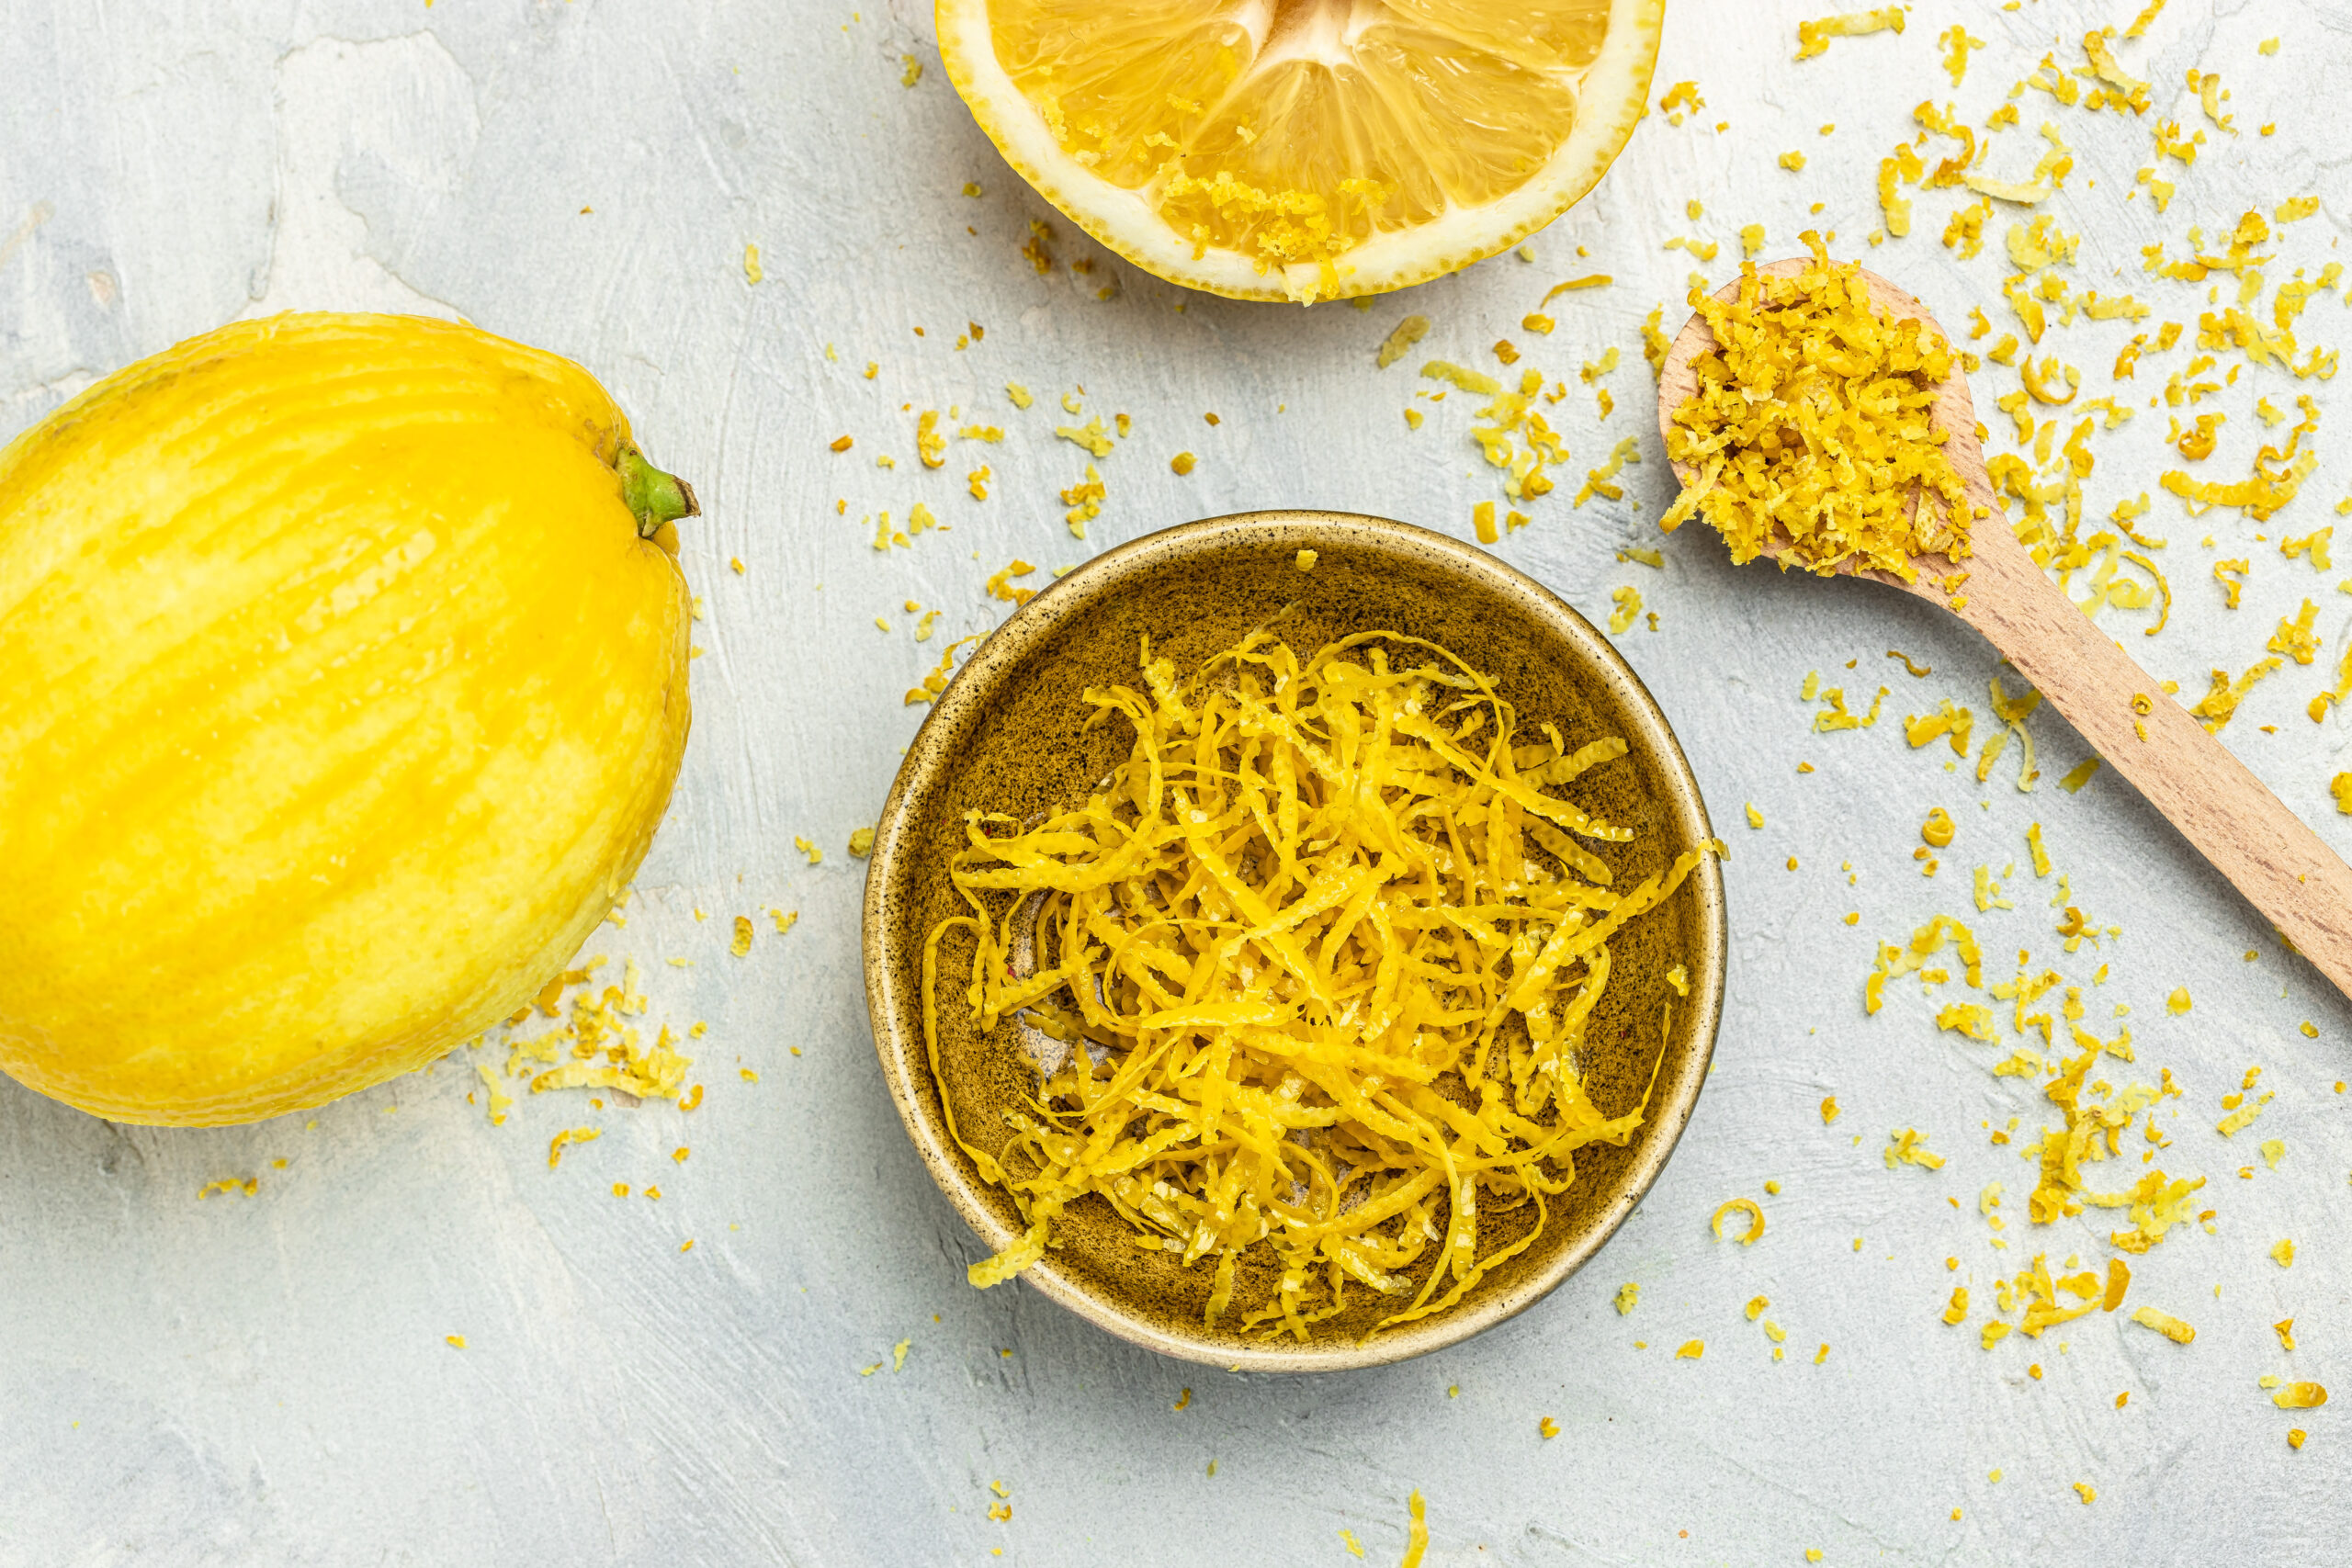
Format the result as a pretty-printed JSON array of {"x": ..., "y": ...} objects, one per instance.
[{"x": 265, "y": 1379}]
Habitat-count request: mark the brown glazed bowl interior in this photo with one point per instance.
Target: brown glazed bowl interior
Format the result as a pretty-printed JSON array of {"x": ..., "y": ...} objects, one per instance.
[{"x": 1009, "y": 736}]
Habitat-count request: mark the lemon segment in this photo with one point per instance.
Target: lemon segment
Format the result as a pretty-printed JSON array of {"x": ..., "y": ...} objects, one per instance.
[{"x": 1305, "y": 149}]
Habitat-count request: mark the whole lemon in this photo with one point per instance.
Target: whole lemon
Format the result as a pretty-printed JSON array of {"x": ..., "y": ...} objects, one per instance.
[{"x": 345, "y": 686}]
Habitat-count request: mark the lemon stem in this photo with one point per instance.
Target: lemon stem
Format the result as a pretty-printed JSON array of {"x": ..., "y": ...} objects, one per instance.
[{"x": 653, "y": 497}]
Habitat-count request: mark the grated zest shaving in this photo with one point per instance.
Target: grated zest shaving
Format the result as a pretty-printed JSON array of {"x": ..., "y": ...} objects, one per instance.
[{"x": 1812, "y": 424}]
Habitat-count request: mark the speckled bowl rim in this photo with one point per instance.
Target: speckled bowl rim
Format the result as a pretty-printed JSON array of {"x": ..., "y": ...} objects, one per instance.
[{"x": 930, "y": 758}]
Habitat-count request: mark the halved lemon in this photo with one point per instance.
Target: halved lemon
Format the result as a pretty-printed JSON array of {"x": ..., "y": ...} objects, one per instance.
[{"x": 1305, "y": 149}]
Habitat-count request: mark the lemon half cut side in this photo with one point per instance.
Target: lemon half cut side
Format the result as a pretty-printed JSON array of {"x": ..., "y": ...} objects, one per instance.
[{"x": 1305, "y": 149}]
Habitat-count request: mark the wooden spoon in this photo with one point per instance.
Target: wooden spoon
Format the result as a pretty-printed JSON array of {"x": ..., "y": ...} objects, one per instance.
[{"x": 2216, "y": 802}]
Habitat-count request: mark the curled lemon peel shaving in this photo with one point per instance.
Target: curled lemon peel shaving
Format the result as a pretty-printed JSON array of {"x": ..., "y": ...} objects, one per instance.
[
  {"x": 1747, "y": 1206},
  {"x": 1810, "y": 430},
  {"x": 1320, "y": 955}
]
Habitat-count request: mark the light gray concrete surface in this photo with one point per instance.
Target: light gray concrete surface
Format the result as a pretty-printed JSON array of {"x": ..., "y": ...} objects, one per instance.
[{"x": 265, "y": 1380}]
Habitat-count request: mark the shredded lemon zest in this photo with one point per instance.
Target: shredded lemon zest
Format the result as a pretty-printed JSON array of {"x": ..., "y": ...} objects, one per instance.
[
  {"x": 1740, "y": 1206},
  {"x": 1812, "y": 38},
  {"x": 1323, "y": 950},
  {"x": 1909, "y": 1146},
  {"x": 1409, "y": 332},
  {"x": 1416, "y": 1532},
  {"x": 1591, "y": 280},
  {"x": 1811, "y": 425}
]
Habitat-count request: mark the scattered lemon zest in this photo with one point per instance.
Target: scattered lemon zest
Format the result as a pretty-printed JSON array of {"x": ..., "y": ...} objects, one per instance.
[
  {"x": 500, "y": 1101},
  {"x": 1591, "y": 280},
  {"x": 1812, "y": 37},
  {"x": 1747, "y": 1206},
  {"x": 570, "y": 1137},
  {"x": 1407, "y": 332},
  {"x": 1909, "y": 1147}
]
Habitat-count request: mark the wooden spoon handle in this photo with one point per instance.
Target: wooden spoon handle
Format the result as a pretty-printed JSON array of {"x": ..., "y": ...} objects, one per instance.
[{"x": 2216, "y": 802}]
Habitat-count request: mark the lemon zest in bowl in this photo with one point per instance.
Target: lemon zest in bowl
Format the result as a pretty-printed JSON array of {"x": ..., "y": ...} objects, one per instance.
[{"x": 1322, "y": 950}]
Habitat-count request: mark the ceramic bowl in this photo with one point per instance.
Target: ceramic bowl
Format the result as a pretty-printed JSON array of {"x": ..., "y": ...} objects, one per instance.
[{"x": 1009, "y": 736}]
